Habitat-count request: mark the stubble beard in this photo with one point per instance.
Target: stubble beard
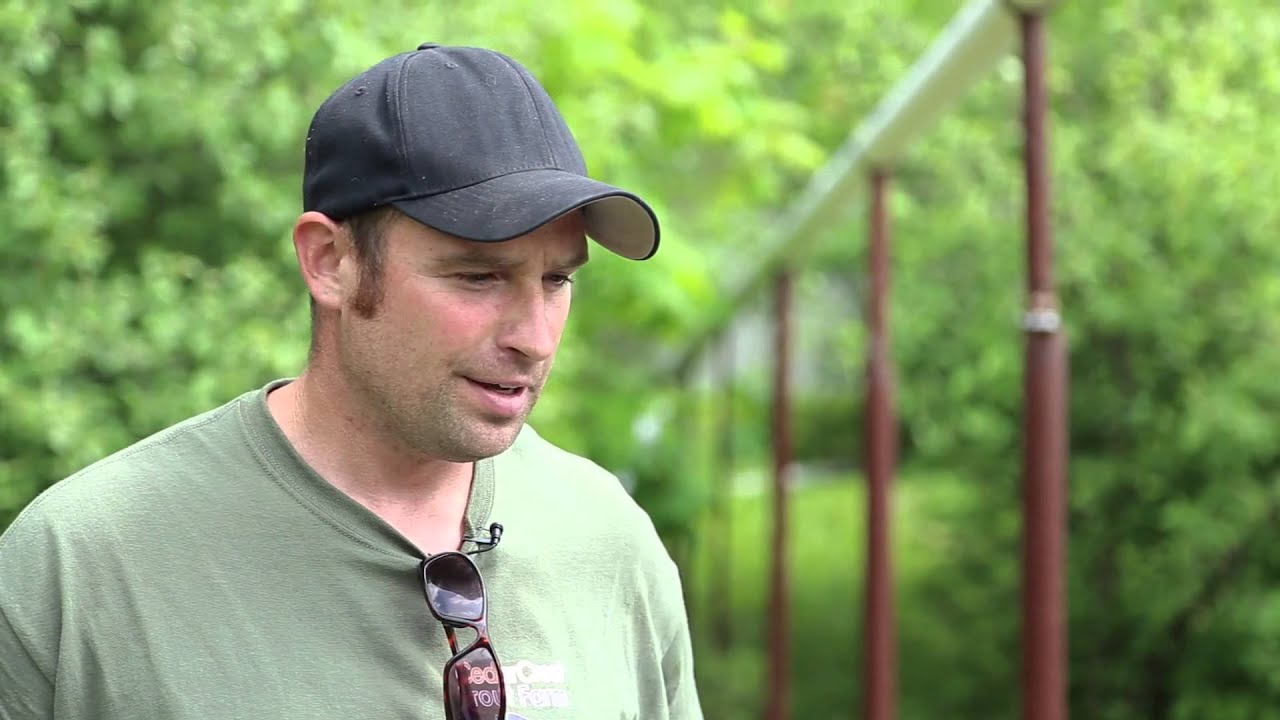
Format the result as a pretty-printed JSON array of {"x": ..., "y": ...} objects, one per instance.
[
  {"x": 437, "y": 422},
  {"x": 448, "y": 428}
]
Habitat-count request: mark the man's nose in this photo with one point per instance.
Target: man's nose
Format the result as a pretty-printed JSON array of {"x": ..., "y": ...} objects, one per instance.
[{"x": 529, "y": 328}]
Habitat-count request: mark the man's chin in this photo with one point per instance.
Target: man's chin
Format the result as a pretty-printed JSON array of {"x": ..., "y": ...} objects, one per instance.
[{"x": 486, "y": 442}]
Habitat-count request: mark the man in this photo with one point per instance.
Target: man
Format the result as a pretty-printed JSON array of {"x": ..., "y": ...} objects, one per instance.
[{"x": 295, "y": 553}]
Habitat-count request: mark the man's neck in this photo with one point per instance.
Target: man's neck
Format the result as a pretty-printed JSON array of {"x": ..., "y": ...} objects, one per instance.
[{"x": 423, "y": 498}]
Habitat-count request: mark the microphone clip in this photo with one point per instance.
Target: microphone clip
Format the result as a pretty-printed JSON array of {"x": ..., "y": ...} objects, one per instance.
[{"x": 486, "y": 544}]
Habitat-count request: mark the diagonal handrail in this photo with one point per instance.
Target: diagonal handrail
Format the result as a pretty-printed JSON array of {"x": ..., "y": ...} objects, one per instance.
[{"x": 977, "y": 38}]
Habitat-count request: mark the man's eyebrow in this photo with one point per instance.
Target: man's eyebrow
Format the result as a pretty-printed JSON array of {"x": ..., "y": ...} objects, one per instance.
[
  {"x": 477, "y": 259},
  {"x": 578, "y": 259}
]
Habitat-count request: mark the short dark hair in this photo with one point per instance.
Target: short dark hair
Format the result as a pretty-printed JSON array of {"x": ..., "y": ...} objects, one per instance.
[{"x": 368, "y": 233}]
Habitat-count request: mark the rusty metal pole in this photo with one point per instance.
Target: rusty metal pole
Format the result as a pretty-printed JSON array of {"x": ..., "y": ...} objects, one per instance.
[
  {"x": 1045, "y": 386},
  {"x": 879, "y": 669},
  {"x": 722, "y": 534},
  {"x": 778, "y": 706}
]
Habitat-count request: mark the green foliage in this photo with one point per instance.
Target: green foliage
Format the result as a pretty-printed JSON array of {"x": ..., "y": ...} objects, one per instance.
[
  {"x": 828, "y": 515},
  {"x": 150, "y": 156},
  {"x": 1163, "y": 215},
  {"x": 151, "y": 162},
  {"x": 1163, "y": 208}
]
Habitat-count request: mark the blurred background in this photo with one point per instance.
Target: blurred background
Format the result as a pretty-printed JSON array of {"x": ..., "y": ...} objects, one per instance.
[{"x": 150, "y": 163}]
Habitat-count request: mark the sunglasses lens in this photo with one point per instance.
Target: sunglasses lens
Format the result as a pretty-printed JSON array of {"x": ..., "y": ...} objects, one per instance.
[
  {"x": 454, "y": 588},
  {"x": 473, "y": 686}
]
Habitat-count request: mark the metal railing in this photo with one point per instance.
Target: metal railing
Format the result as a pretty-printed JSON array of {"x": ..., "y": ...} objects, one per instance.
[{"x": 978, "y": 37}]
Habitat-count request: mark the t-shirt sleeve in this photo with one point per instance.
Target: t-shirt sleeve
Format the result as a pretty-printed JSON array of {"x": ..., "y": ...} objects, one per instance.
[
  {"x": 29, "y": 618},
  {"x": 672, "y": 620},
  {"x": 677, "y": 673}
]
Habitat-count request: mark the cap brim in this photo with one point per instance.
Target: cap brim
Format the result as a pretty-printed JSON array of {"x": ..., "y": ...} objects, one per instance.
[{"x": 512, "y": 205}]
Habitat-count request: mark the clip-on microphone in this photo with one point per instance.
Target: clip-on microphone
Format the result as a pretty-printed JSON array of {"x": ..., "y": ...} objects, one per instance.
[{"x": 495, "y": 536}]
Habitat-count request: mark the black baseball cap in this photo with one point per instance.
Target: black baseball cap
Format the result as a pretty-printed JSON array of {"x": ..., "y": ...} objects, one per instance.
[{"x": 465, "y": 141}]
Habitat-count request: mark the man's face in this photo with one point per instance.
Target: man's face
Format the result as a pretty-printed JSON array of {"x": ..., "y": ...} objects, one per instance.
[{"x": 456, "y": 354}]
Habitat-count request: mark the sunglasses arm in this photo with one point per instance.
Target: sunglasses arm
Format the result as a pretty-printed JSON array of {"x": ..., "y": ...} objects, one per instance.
[{"x": 453, "y": 639}]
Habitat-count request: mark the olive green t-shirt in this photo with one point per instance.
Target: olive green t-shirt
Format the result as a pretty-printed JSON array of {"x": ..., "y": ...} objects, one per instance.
[{"x": 207, "y": 572}]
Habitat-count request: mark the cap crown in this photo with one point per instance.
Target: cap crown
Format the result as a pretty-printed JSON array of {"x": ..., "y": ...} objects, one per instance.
[{"x": 427, "y": 122}]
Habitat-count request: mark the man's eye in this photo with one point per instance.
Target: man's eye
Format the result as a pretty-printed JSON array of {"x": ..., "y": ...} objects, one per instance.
[
  {"x": 559, "y": 280},
  {"x": 477, "y": 278}
]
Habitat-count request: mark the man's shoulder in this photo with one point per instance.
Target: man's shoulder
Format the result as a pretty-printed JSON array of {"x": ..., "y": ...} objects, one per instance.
[
  {"x": 531, "y": 444},
  {"x": 557, "y": 470},
  {"x": 575, "y": 494},
  {"x": 132, "y": 479}
]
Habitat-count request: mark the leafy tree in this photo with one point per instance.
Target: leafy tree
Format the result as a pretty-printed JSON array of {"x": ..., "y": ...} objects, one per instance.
[{"x": 150, "y": 156}]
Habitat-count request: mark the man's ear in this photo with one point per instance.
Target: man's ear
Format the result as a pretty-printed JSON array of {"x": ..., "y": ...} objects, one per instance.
[{"x": 321, "y": 245}]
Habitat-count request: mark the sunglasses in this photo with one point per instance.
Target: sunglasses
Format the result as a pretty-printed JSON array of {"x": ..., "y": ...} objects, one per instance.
[{"x": 473, "y": 684}]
